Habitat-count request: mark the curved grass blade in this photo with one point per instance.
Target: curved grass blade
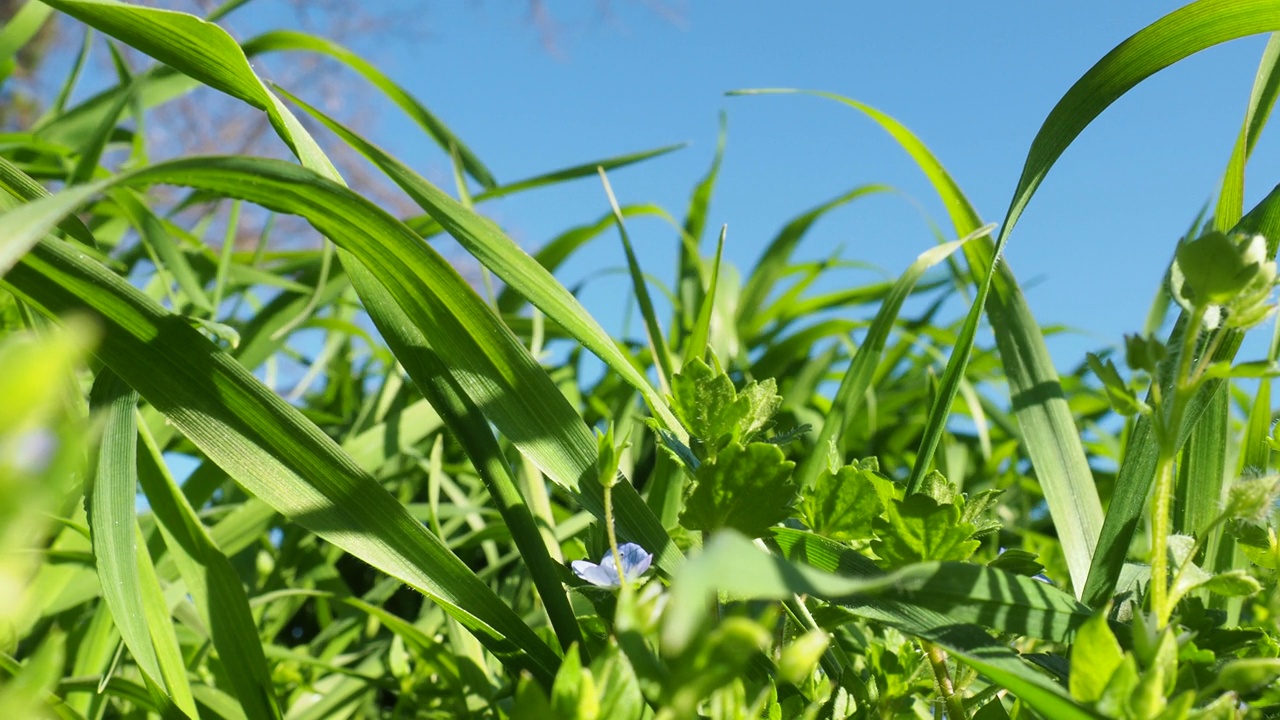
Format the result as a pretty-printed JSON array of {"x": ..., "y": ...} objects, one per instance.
[
  {"x": 213, "y": 584},
  {"x": 1262, "y": 99},
  {"x": 129, "y": 586},
  {"x": 513, "y": 391},
  {"x": 773, "y": 262},
  {"x": 559, "y": 248},
  {"x": 696, "y": 345},
  {"x": 575, "y": 172},
  {"x": 265, "y": 444},
  {"x": 506, "y": 259},
  {"x": 1010, "y": 603},
  {"x": 1047, "y": 426},
  {"x": 657, "y": 341},
  {"x": 289, "y": 40},
  {"x": 857, "y": 378}
]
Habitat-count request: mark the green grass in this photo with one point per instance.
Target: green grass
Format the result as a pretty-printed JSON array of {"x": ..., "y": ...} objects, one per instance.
[{"x": 394, "y": 536}]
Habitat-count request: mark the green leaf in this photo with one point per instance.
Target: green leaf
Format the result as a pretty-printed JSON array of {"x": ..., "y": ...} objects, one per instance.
[
  {"x": 918, "y": 528},
  {"x": 747, "y": 488},
  {"x": 1123, "y": 400},
  {"x": 706, "y": 401},
  {"x": 1017, "y": 561},
  {"x": 1233, "y": 583},
  {"x": 841, "y": 506},
  {"x": 1095, "y": 658}
]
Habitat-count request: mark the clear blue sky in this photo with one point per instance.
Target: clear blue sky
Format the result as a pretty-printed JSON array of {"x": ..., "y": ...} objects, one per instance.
[{"x": 974, "y": 80}]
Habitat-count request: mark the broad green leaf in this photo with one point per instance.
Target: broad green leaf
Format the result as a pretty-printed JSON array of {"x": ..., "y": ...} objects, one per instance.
[
  {"x": 746, "y": 488},
  {"x": 1095, "y": 657},
  {"x": 706, "y": 401},
  {"x": 842, "y": 505},
  {"x": 918, "y": 528}
]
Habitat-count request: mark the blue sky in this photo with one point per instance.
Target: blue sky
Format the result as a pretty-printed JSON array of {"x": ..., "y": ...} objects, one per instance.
[{"x": 973, "y": 80}]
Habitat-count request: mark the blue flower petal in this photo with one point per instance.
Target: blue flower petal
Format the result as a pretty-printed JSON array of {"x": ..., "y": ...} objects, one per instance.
[
  {"x": 635, "y": 561},
  {"x": 595, "y": 574}
]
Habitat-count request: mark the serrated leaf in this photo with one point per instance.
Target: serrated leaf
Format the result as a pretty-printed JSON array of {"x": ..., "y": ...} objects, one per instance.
[
  {"x": 843, "y": 505},
  {"x": 706, "y": 401},
  {"x": 747, "y": 488},
  {"x": 917, "y": 528},
  {"x": 763, "y": 402}
]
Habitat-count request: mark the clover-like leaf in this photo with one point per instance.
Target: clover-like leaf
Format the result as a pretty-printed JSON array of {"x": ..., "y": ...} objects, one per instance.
[
  {"x": 763, "y": 402},
  {"x": 749, "y": 489},
  {"x": 918, "y": 528},
  {"x": 843, "y": 505},
  {"x": 706, "y": 401}
]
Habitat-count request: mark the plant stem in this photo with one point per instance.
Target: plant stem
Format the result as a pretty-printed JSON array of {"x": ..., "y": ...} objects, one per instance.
[
  {"x": 1169, "y": 426},
  {"x": 950, "y": 699},
  {"x": 613, "y": 534}
]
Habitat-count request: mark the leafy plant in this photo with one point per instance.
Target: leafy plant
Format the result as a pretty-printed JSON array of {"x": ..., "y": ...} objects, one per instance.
[{"x": 267, "y": 482}]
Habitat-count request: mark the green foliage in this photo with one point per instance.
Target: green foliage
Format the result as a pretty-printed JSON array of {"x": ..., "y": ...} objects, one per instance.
[{"x": 207, "y": 512}]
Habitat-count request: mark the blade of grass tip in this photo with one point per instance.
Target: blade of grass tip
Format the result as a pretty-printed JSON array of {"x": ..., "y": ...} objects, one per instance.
[
  {"x": 117, "y": 552},
  {"x": 576, "y": 172},
  {"x": 1266, "y": 85},
  {"x": 857, "y": 378},
  {"x": 773, "y": 261},
  {"x": 1045, "y": 420},
  {"x": 224, "y": 258},
  {"x": 696, "y": 345},
  {"x": 558, "y": 249},
  {"x": 290, "y": 40},
  {"x": 73, "y": 75},
  {"x": 657, "y": 341},
  {"x": 1137, "y": 470},
  {"x": 689, "y": 268}
]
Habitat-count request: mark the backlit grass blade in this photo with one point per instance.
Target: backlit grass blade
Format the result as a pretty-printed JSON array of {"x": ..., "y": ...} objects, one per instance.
[
  {"x": 696, "y": 345},
  {"x": 1044, "y": 419},
  {"x": 266, "y": 444},
  {"x": 119, "y": 556},
  {"x": 1133, "y": 483},
  {"x": 289, "y": 40},
  {"x": 1176, "y": 36},
  {"x": 575, "y": 172},
  {"x": 688, "y": 285},
  {"x": 513, "y": 391},
  {"x": 558, "y": 249},
  {"x": 653, "y": 330},
  {"x": 213, "y": 584},
  {"x": 858, "y": 376},
  {"x": 19, "y": 30},
  {"x": 507, "y": 260},
  {"x": 776, "y": 257},
  {"x": 1266, "y": 86}
]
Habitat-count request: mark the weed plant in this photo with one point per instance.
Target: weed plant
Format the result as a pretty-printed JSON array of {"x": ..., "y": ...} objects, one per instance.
[{"x": 435, "y": 521}]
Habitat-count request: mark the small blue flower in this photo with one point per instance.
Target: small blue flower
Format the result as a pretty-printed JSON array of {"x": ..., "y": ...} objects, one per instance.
[{"x": 635, "y": 561}]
